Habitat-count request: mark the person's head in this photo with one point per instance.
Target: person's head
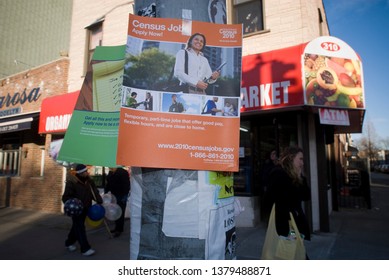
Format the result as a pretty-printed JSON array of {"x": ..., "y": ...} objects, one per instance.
[
  {"x": 174, "y": 97},
  {"x": 197, "y": 42},
  {"x": 292, "y": 161},
  {"x": 81, "y": 171},
  {"x": 134, "y": 94},
  {"x": 148, "y": 94},
  {"x": 215, "y": 99}
]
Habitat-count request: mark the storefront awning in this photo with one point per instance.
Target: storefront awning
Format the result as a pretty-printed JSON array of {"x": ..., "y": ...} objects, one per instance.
[
  {"x": 56, "y": 112},
  {"x": 356, "y": 122},
  {"x": 16, "y": 123}
]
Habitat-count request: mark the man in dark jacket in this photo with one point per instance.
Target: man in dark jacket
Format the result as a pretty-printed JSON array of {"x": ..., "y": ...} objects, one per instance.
[
  {"x": 176, "y": 106},
  {"x": 79, "y": 185},
  {"x": 118, "y": 183}
]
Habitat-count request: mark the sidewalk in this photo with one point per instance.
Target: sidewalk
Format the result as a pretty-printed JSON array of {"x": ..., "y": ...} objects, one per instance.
[
  {"x": 31, "y": 235},
  {"x": 355, "y": 234}
]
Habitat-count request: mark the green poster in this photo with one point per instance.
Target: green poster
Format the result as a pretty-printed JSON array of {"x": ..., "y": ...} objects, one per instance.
[{"x": 92, "y": 134}]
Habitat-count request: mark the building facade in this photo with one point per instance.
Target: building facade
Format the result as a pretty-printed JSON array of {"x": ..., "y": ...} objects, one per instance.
[
  {"x": 34, "y": 66},
  {"x": 29, "y": 178}
]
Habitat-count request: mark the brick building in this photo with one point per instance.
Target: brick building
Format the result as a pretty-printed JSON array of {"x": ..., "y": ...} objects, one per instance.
[
  {"x": 33, "y": 66},
  {"x": 29, "y": 177}
]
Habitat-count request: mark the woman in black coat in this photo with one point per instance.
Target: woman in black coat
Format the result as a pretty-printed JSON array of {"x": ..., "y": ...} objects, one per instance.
[
  {"x": 79, "y": 185},
  {"x": 288, "y": 188}
]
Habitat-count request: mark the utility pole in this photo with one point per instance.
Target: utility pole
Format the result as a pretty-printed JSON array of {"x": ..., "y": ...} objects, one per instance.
[{"x": 148, "y": 240}]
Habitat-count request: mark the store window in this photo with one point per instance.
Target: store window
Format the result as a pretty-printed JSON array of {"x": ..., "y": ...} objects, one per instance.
[
  {"x": 10, "y": 160},
  {"x": 250, "y": 14},
  {"x": 94, "y": 39}
]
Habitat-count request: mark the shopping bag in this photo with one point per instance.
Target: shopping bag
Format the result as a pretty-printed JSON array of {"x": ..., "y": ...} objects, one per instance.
[{"x": 278, "y": 247}]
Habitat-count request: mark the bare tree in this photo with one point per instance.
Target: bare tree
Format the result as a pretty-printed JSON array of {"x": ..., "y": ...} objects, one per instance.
[
  {"x": 369, "y": 144},
  {"x": 385, "y": 143}
]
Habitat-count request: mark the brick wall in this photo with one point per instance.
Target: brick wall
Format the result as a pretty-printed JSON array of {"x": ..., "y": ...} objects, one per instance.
[
  {"x": 51, "y": 79},
  {"x": 31, "y": 190}
]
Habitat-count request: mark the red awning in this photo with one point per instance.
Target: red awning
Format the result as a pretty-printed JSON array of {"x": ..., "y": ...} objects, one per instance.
[{"x": 56, "y": 112}]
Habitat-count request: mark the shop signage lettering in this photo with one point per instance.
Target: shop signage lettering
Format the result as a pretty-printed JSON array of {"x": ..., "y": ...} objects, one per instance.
[
  {"x": 266, "y": 94},
  {"x": 334, "y": 117},
  {"x": 9, "y": 128},
  {"x": 15, "y": 127},
  {"x": 9, "y": 112},
  {"x": 61, "y": 122},
  {"x": 20, "y": 98}
]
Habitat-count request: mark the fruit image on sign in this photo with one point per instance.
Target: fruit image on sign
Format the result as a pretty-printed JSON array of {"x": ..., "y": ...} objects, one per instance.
[{"x": 332, "y": 81}]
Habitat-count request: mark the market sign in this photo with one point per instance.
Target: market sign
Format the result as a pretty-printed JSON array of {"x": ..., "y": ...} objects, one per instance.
[
  {"x": 56, "y": 112},
  {"x": 272, "y": 79}
]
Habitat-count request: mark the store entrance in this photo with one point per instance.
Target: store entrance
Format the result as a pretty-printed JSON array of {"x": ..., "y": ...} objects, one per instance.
[{"x": 262, "y": 140}]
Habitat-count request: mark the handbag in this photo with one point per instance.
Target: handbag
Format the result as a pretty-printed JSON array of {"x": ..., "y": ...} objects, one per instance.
[{"x": 278, "y": 247}]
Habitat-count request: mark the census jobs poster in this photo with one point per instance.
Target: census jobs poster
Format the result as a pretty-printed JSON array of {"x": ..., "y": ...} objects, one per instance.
[{"x": 181, "y": 95}]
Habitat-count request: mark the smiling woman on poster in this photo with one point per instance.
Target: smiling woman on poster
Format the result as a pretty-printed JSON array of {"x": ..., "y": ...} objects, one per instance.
[{"x": 192, "y": 67}]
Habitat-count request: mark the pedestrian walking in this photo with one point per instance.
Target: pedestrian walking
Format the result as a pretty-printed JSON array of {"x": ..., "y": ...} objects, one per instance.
[
  {"x": 79, "y": 185},
  {"x": 287, "y": 190}
]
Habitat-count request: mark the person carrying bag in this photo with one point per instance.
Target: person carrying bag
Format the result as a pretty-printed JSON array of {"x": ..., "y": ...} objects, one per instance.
[
  {"x": 277, "y": 247},
  {"x": 288, "y": 225}
]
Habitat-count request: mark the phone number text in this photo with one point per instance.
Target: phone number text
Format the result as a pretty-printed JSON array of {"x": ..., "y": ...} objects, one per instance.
[{"x": 212, "y": 156}]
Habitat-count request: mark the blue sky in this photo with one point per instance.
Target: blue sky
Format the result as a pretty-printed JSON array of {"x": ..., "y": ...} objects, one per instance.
[{"x": 364, "y": 25}]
